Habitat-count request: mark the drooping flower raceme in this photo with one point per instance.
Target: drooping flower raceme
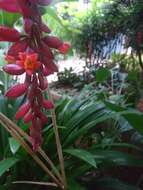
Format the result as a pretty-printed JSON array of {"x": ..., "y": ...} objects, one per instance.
[{"x": 31, "y": 53}]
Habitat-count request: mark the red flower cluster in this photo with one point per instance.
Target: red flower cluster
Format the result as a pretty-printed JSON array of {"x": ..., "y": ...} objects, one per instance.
[{"x": 31, "y": 53}]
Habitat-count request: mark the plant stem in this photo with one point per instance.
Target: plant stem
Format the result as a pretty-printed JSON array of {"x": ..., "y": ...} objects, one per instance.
[
  {"x": 35, "y": 183},
  {"x": 40, "y": 151},
  {"x": 58, "y": 142},
  {"x": 10, "y": 127}
]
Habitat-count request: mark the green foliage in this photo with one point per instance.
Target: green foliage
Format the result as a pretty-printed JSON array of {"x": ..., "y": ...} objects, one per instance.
[
  {"x": 93, "y": 125},
  {"x": 102, "y": 74},
  {"x": 6, "y": 164},
  {"x": 112, "y": 183},
  {"x": 83, "y": 155},
  {"x": 14, "y": 145}
]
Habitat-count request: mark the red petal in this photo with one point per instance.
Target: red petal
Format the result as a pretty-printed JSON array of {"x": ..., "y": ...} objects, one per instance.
[
  {"x": 13, "y": 69},
  {"x": 39, "y": 96},
  {"x": 45, "y": 28},
  {"x": 9, "y": 34},
  {"x": 28, "y": 117},
  {"x": 48, "y": 104},
  {"x": 45, "y": 50},
  {"x": 43, "y": 83},
  {"x": 43, "y": 118},
  {"x": 36, "y": 137},
  {"x": 18, "y": 47},
  {"x": 27, "y": 25},
  {"x": 9, "y": 5},
  {"x": 53, "y": 42},
  {"x": 16, "y": 91},
  {"x": 22, "y": 110},
  {"x": 50, "y": 67},
  {"x": 28, "y": 8},
  {"x": 64, "y": 48}
]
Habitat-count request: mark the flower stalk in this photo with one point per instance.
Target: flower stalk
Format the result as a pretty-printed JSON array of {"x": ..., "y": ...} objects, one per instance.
[
  {"x": 58, "y": 142},
  {"x": 21, "y": 136},
  {"x": 31, "y": 53}
]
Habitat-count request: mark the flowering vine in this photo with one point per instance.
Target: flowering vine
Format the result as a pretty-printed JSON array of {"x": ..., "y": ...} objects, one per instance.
[{"x": 31, "y": 53}]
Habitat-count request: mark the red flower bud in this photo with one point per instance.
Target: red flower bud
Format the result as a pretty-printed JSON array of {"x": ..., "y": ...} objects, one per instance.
[
  {"x": 50, "y": 67},
  {"x": 9, "y": 34},
  {"x": 45, "y": 50},
  {"x": 39, "y": 96},
  {"x": 17, "y": 47},
  {"x": 28, "y": 117},
  {"x": 13, "y": 69},
  {"x": 48, "y": 104},
  {"x": 43, "y": 118},
  {"x": 22, "y": 110},
  {"x": 16, "y": 91},
  {"x": 36, "y": 138},
  {"x": 9, "y": 5},
  {"x": 45, "y": 28},
  {"x": 43, "y": 83},
  {"x": 53, "y": 42},
  {"x": 64, "y": 48}
]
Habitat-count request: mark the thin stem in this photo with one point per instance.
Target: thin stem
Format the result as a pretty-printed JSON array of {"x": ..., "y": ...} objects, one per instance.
[
  {"x": 40, "y": 151},
  {"x": 5, "y": 122},
  {"x": 58, "y": 142},
  {"x": 35, "y": 183}
]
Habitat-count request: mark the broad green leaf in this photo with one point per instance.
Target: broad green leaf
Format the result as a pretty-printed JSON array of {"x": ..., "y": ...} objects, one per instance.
[
  {"x": 7, "y": 163},
  {"x": 116, "y": 157},
  {"x": 102, "y": 74},
  {"x": 133, "y": 117},
  {"x": 135, "y": 120},
  {"x": 83, "y": 155},
  {"x": 14, "y": 145},
  {"x": 82, "y": 115},
  {"x": 75, "y": 134}
]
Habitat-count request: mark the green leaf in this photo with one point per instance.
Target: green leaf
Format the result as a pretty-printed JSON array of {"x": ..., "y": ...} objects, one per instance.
[
  {"x": 52, "y": 13},
  {"x": 133, "y": 75},
  {"x": 2, "y": 61},
  {"x": 135, "y": 120},
  {"x": 3, "y": 187},
  {"x": 133, "y": 117},
  {"x": 14, "y": 145},
  {"x": 113, "y": 183},
  {"x": 8, "y": 19},
  {"x": 75, "y": 134},
  {"x": 7, "y": 163},
  {"x": 116, "y": 158},
  {"x": 83, "y": 155},
  {"x": 73, "y": 185},
  {"x": 102, "y": 74}
]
